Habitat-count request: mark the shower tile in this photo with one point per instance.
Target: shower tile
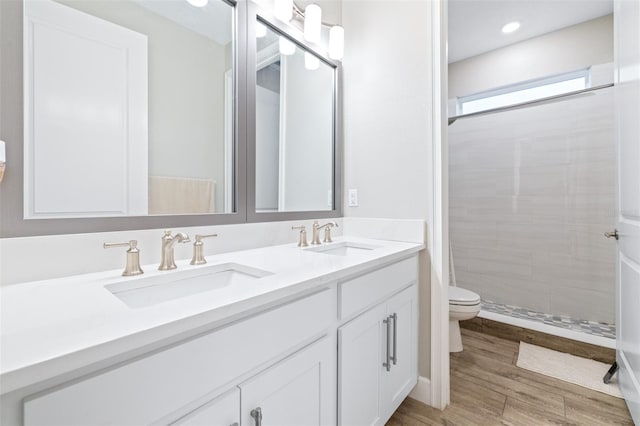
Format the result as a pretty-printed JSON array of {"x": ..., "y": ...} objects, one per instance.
[
  {"x": 596, "y": 328},
  {"x": 506, "y": 290},
  {"x": 576, "y": 302},
  {"x": 541, "y": 181},
  {"x": 566, "y": 271}
]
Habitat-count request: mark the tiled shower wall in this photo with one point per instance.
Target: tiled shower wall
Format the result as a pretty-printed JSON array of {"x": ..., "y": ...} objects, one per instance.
[{"x": 532, "y": 191}]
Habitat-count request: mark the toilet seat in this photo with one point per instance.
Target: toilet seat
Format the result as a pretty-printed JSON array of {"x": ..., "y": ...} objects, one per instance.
[{"x": 461, "y": 297}]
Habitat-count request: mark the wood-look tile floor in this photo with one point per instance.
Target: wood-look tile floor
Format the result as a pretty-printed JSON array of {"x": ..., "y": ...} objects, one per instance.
[{"x": 488, "y": 389}]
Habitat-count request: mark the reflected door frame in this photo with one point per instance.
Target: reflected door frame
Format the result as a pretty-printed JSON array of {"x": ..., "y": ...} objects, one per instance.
[{"x": 228, "y": 141}]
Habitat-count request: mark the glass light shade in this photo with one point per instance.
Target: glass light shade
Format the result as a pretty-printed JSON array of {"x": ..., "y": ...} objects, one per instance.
[
  {"x": 198, "y": 3},
  {"x": 286, "y": 47},
  {"x": 261, "y": 30},
  {"x": 312, "y": 23},
  {"x": 283, "y": 9},
  {"x": 336, "y": 42},
  {"x": 511, "y": 27},
  {"x": 311, "y": 62}
]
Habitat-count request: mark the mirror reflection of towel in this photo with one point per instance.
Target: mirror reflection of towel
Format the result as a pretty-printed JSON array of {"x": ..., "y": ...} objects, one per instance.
[{"x": 175, "y": 195}]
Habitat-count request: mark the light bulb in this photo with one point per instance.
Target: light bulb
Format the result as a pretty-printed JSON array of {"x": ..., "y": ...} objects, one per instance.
[
  {"x": 312, "y": 23},
  {"x": 283, "y": 9},
  {"x": 311, "y": 62},
  {"x": 336, "y": 42},
  {"x": 261, "y": 30},
  {"x": 198, "y": 3},
  {"x": 287, "y": 47}
]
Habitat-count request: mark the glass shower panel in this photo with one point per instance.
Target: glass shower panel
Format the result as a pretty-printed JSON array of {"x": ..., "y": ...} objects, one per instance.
[{"x": 531, "y": 192}]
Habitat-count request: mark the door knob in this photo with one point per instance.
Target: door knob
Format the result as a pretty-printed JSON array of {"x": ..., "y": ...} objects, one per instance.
[{"x": 613, "y": 234}]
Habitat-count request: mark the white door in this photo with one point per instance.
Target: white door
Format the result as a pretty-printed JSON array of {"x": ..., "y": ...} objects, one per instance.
[
  {"x": 402, "y": 376},
  {"x": 627, "y": 41},
  {"x": 85, "y": 151},
  {"x": 222, "y": 411},
  {"x": 295, "y": 392},
  {"x": 360, "y": 363}
]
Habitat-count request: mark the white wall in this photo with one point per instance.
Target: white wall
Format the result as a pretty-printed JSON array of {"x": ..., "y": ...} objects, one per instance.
[
  {"x": 186, "y": 93},
  {"x": 569, "y": 49},
  {"x": 387, "y": 120}
]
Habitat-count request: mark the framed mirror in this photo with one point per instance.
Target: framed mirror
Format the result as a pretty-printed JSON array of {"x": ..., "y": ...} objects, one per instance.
[
  {"x": 130, "y": 116},
  {"x": 296, "y": 142},
  {"x": 141, "y": 114},
  {"x": 128, "y": 108}
]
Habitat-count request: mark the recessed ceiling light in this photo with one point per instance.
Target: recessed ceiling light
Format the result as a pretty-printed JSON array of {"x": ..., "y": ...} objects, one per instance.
[{"x": 511, "y": 27}]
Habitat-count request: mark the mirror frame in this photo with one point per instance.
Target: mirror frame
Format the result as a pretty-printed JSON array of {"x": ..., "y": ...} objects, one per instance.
[
  {"x": 296, "y": 36},
  {"x": 12, "y": 222}
]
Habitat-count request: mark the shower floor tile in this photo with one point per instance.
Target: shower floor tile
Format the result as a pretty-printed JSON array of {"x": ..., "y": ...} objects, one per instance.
[{"x": 591, "y": 327}]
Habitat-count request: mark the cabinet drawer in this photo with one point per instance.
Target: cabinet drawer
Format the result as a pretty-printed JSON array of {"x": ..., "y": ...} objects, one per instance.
[
  {"x": 155, "y": 386},
  {"x": 360, "y": 293}
]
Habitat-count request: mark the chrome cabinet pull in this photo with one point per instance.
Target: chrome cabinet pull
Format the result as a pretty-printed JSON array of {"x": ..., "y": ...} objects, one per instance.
[
  {"x": 256, "y": 413},
  {"x": 234, "y": 424},
  {"x": 387, "y": 364},
  {"x": 394, "y": 358}
]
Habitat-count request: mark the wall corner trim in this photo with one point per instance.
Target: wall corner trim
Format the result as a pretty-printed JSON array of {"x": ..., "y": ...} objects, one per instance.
[{"x": 422, "y": 391}]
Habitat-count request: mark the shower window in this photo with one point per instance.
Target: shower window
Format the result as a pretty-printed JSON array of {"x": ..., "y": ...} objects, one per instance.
[{"x": 525, "y": 92}]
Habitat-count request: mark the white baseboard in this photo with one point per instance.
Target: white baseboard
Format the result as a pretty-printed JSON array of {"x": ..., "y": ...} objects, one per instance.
[{"x": 422, "y": 391}]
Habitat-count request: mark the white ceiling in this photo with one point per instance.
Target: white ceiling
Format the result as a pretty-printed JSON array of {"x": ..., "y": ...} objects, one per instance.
[{"x": 475, "y": 26}]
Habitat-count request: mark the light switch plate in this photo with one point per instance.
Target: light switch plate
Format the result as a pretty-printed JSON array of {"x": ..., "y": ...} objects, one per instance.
[{"x": 353, "y": 198}]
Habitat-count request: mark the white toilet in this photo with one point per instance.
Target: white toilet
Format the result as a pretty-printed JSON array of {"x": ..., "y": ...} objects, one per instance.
[{"x": 463, "y": 305}]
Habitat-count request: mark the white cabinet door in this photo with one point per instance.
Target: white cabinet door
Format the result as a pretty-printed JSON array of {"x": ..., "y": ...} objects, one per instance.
[
  {"x": 402, "y": 376},
  {"x": 360, "y": 354},
  {"x": 378, "y": 365},
  {"x": 297, "y": 391},
  {"x": 222, "y": 411}
]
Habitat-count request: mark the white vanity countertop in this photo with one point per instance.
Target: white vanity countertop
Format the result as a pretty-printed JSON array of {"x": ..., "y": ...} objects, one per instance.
[{"x": 49, "y": 328}]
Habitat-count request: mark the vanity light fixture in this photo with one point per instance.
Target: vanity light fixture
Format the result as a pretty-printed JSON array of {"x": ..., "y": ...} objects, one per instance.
[
  {"x": 286, "y": 47},
  {"x": 198, "y": 3},
  {"x": 261, "y": 30},
  {"x": 311, "y": 62},
  {"x": 312, "y": 23},
  {"x": 286, "y": 10},
  {"x": 283, "y": 10},
  {"x": 511, "y": 27}
]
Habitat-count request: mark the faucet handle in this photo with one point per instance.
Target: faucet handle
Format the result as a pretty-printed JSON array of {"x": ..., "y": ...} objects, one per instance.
[
  {"x": 133, "y": 257},
  {"x": 198, "y": 249},
  {"x": 327, "y": 231},
  {"x": 302, "y": 242}
]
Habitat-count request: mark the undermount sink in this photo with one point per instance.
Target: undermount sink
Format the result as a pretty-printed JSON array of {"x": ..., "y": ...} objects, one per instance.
[
  {"x": 157, "y": 289},
  {"x": 344, "y": 248}
]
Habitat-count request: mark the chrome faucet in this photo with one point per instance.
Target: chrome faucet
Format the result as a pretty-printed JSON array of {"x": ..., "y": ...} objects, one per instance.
[
  {"x": 167, "y": 261},
  {"x": 327, "y": 232}
]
